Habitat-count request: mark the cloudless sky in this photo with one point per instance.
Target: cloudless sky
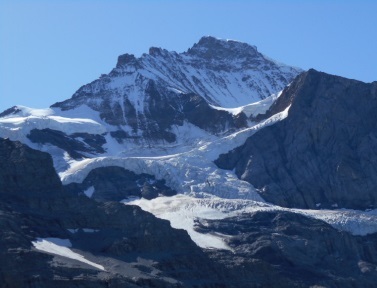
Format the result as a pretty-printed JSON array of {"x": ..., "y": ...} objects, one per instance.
[{"x": 49, "y": 48}]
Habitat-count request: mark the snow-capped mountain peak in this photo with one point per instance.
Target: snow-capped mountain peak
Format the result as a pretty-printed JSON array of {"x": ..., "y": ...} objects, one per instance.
[
  {"x": 210, "y": 47},
  {"x": 203, "y": 139},
  {"x": 146, "y": 97}
]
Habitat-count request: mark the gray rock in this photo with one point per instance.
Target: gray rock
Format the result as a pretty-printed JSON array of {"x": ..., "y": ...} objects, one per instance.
[
  {"x": 323, "y": 152},
  {"x": 152, "y": 94},
  {"x": 284, "y": 249},
  {"x": 76, "y": 145},
  {"x": 115, "y": 184},
  {"x": 274, "y": 249},
  {"x": 163, "y": 109},
  {"x": 136, "y": 248},
  {"x": 23, "y": 171}
]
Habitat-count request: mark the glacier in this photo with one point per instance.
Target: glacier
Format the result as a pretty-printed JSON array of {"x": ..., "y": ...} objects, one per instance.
[
  {"x": 205, "y": 191},
  {"x": 240, "y": 82}
]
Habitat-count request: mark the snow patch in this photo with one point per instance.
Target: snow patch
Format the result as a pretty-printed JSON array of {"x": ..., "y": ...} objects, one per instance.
[
  {"x": 85, "y": 230},
  {"x": 24, "y": 111},
  {"x": 130, "y": 199},
  {"x": 89, "y": 230},
  {"x": 61, "y": 247},
  {"x": 89, "y": 192},
  {"x": 253, "y": 109},
  {"x": 181, "y": 211}
]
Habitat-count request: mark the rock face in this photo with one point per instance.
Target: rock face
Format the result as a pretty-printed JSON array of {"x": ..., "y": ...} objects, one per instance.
[
  {"x": 284, "y": 249},
  {"x": 76, "y": 145},
  {"x": 323, "y": 153},
  {"x": 134, "y": 247},
  {"x": 23, "y": 170},
  {"x": 146, "y": 97},
  {"x": 166, "y": 114},
  {"x": 115, "y": 184}
]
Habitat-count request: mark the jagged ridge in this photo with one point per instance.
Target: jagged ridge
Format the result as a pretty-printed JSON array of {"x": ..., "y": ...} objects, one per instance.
[
  {"x": 146, "y": 96},
  {"x": 322, "y": 154}
]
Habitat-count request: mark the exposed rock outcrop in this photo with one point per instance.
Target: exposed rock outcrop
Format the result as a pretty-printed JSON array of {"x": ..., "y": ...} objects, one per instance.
[
  {"x": 115, "y": 184},
  {"x": 26, "y": 173},
  {"x": 284, "y": 249},
  {"x": 323, "y": 154},
  {"x": 134, "y": 247},
  {"x": 76, "y": 145}
]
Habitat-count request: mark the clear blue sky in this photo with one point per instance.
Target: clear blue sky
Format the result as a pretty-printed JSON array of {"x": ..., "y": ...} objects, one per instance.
[{"x": 48, "y": 49}]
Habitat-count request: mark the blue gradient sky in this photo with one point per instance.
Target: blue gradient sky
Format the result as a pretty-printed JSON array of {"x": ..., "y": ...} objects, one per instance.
[{"x": 48, "y": 49}]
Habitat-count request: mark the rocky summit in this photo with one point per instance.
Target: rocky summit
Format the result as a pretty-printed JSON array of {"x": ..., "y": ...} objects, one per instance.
[
  {"x": 215, "y": 167},
  {"x": 144, "y": 97}
]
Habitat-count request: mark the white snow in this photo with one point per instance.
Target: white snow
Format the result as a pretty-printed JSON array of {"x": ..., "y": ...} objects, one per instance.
[
  {"x": 241, "y": 83},
  {"x": 206, "y": 192},
  {"x": 182, "y": 210},
  {"x": 89, "y": 192},
  {"x": 253, "y": 109},
  {"x": 86, "y": 230},
  {"x": 355, "y": 222},
  {"x": 61, "y": 247},
  {"x": 17, "y": 126},
  {"x": 27, "y": 111},
  {"x": 176, "y": 90},
  {"x": 129, "y": 199},
  {"x": 89, "y": 230},
  {"x": 191, "y": 170}
]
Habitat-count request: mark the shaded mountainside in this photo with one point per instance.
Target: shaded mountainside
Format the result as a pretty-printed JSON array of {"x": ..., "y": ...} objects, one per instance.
[
  {"x": 135, "y": 249},
  {"x": 284, "y": 249},
  {"x": 323, "y": 154},
  {"x": 113, "y": 183}
]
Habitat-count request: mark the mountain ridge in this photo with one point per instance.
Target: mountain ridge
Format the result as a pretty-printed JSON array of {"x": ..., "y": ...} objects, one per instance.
[
  {"x": 321, "y": 153},
  {"x": 148, "y": 134},
  {"x": 54, "y": 238},
  {"x": 212, "y": 73}
]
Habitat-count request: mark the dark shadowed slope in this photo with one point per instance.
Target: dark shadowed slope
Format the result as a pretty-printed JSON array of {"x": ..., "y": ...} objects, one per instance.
[
  {"x": 134, "y": 247},
  {"x": 324, "y": 154}
]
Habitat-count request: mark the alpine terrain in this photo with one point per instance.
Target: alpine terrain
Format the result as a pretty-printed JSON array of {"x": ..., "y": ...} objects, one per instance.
[{"x": 215, "y": 167}]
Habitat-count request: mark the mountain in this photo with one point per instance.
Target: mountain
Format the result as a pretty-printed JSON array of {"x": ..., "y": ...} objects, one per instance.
[
  {"x": 252, "y": 162},
  {"x": 323, "y": 153},
  {"x": 53, "y": 238},
  {"x": 144, "y": 97}
]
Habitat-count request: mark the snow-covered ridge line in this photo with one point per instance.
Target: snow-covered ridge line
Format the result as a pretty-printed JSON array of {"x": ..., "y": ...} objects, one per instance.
[
  {"x": 227, "y": 73},
  {"x": 16, "y": 126}
]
